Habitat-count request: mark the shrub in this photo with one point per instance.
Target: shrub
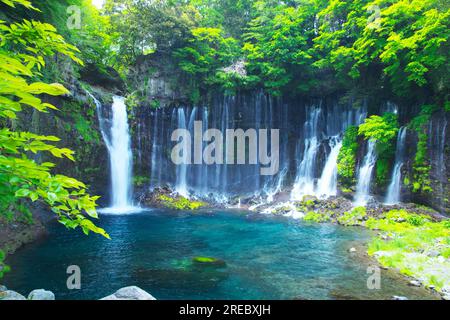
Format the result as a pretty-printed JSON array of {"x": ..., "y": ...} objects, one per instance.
[
  {"x": 354, "y": 217},
  {"x": 383, "y": 130},
  {"x": 347, "y": 157},
  {"x": 180, "y": 203},
  {"x": 317, "y": 217}
]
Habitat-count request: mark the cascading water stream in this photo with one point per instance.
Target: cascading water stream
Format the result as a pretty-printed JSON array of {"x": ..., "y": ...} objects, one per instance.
[
  {"x": 117, "y": 139},
  {"x": 181, "y": 186},
  {"x": 315, "y": 147},
  {"x": 327, "y": 184},
  {"x": 365, "y": 176},
  {"x": 304, "y": 182},
  {"x": 393, "y": 192},
  {"x": 323, "y": 128}
]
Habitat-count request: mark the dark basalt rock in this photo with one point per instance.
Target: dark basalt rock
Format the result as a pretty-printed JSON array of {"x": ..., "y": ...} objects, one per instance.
[{"x": 108, "y": 78}]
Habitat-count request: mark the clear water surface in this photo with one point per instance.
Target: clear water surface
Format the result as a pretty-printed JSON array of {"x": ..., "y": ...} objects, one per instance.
[{"x": 266, "y": 258}]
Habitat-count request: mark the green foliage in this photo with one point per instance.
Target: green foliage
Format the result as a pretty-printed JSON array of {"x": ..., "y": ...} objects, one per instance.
[
  {"x": 447, "y": 106},
  {"x": 412, "y": 243},
  {"x": 180, "y": 203},
  {"x": 93, "y": 36},
  {"x": 206, "y": 54},
  {"x": 347, "y": 157},
  {"x": 383, "y": 130},
  {"x": 407, "y": 40},
  {"x": 317, "y": 217},
  {"x": 293, "y": 47},
  {"x": 3, "y": 267},
  {"x": 26, "y": 3},
  {"x": 354, "y": 217},
  {"x": 85, "y": 129},
  {"x": 421, "y": 182},
  {"x": 416, "y": 220},
  {"x": 145, "y": 27},
  {"x": 305, "y": 205},
  {"x": 278, "y": 45},
  {"x": 405, "y": 243},
  {"x": 155, "y": 104},
  {"x": 382, "y": 170},
  {"x": 140, "y": 181},
  {"x": 22, "y": 180}
]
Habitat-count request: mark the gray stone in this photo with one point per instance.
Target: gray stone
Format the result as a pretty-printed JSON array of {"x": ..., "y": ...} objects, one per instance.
[
  {"x": 446, "y": 297},
  {"x": 415, "y": 283},
  {"x": 130, "y": 293},
  {"x": 446, "y": 289},
  {"x": 352, "y": 250},
  {"x": 433, "y": 253},
  {"x": 399, "y": 298},
  {"x": 41, "y": 294},
  {"x": 3, "y": 288},
  {"x": 11, "y": 295}
]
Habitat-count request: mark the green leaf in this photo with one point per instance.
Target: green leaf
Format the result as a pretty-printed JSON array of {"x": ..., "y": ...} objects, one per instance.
[{"x": 22, "y": 193}]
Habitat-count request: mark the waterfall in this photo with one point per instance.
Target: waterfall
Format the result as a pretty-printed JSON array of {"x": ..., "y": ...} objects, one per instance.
[
  {"x": 365, "y": 175},
  {"x": 274, "y": 186},
  {"x": 204, "y": 169},
  {"x": 154, "y": 167},
  {"x": 314, "y": 147},
  {"x": 323, "y": 130},
  {"x": 304, "y": 182},
  {"x": 437, "y": 132},
  {"x": 181, "y": 186},
  {"x": 327, "y": 184},
  {"x": 393, "y": 192},
  {"x": 115, "y": 133}
]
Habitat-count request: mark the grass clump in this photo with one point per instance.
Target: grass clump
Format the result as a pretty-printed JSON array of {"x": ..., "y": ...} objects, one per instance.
[
  {"x": 180, "y": 203},
  {"x": 318, "y": 216},
  {"x": 354, "y": 217},
  {"x": 414, "y": 245}
]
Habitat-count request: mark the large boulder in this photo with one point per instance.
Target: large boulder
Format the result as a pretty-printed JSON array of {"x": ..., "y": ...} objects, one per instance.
[
  {"x": 130, "y": 293},
  {"x": 41, "y": 294},
  {"x": 11, "y": 295}
]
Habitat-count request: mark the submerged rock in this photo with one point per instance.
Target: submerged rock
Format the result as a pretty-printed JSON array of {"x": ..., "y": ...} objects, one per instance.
[
  {"x": 130, "y": 293},
  {"x": 207, "y": 261},
  {"x": 196, "y": 277},
  {"x": 41, "y": 294},
  {"x": 11, "y": 295}
]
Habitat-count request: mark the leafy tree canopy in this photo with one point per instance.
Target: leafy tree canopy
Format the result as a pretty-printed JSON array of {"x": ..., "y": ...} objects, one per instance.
[{"x": 23, "y": 49}]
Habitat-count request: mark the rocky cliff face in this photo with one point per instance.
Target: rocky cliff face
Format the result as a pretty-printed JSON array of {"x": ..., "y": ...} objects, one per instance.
[
  {"x": 76, "y": 124},
  {"x": 152, "y": 126},
  {"x": 439, "y": 155},
  {"x": 154, "y": 81}
]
